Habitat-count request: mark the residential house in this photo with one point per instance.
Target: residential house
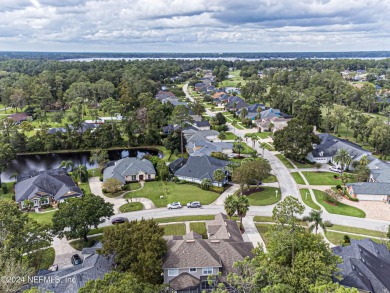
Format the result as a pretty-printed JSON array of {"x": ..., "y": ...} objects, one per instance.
[
  {"x": 174, "y": 101},
  {"x": 19, "y": 117},
  {"x": 272, "y": 124},
  {"x": 202, "y": 125},
  {"x": 45, "y": 188},
  {"x": 218, "y": 94},
  {"x": 202, "y": 167},
  {"x": 328, "y": 147},
  {"x": 199, "y": 143},
  {"x": 253, "y": 111},
  {"x": 161, "y": 95},
  {"x": 376, "y": 191},
  {"x": 129, "y": 170},
  {"x": 71, "y": 279},
  {"x": 365, "y": 266},
  {"x": 190, "y": 260},
  {"x": 235, "y": 103},
  {"x": 84, "y": 127}
]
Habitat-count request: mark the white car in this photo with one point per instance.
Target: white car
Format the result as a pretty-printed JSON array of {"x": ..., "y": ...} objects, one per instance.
[
  {"x": 335, "y": 169},
  {"x": 174, "y": 205}
]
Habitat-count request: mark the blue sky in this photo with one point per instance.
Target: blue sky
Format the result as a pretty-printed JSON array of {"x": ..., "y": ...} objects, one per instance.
[{"x": 194, "y": 25}]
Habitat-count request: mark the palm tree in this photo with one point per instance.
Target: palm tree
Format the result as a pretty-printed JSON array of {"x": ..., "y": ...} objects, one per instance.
[
  {"x": 231, "y": 205},
  {"x": 364, "y": 161},
  {"x": 255, "y": 139},
  {"x": 67, "y": 164},
  {"x": 243, "y": 113},
  {"x": 242, "y": 207},
  {"x": 342, "y": 158},
  {"x": 80, "y": 172},
  {"x": 219, "y": 175},
  {"x": 315, "y": 217},
  {"x": 344, "y": 179},
  {"x": 262, "y": 145}
]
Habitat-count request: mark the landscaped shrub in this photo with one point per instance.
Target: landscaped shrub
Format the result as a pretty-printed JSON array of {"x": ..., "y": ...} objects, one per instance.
[
  {"x": 336, "y": 176},
  {"x": 328, "y": 224},
  {"x": 206, "y": 184},
  {"x": 331, "y": 196},
  {"x": 338, "y": 187},
  {"x": 5, "y": 188},
  {"x": 217, "y": 189},
  {"x": 346, "y": 240},
  {"x": 112, "y": 185}
]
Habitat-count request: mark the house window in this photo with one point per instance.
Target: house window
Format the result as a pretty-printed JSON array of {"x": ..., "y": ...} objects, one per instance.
[
  {"x": 173, "y": 272},
  {"x": 193, "y": 270},
  {"x": 207, "y": 271},
  {"x": 133, "y": 177}
]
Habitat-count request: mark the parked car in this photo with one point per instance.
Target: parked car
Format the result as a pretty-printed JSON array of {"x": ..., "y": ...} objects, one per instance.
[
  {"x": 231, "y": 155},
  {"x": 194, "y": 204},
  {"x": 119, "y": 220},
  {"x": 76, "y": 260},
  {"x": 335, "y": 169},
  {"x": 174, "y": 205}
]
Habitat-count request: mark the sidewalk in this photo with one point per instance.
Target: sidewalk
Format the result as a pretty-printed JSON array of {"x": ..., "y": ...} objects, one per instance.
[
  {"x": 220, "y": 201},
  {"x": 251, "y": 234}
]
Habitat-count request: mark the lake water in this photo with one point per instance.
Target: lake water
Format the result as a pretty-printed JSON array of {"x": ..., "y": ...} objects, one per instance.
[{"x": 25, "y": 163}]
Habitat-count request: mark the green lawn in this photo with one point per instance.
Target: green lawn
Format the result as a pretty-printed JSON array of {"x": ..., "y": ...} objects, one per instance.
[
  {"x": 246, "y": 150},
  {"x": 131, "y": 207},
  {"x": 172, "y": 192},
  {"x": 285, "y": 161},
  {"x": 337, "y": 238},
  {"x": 135, "y": 185},
  {"x": 174, "y": 229},
  {"x": 230, "y": 136},
  {"x": 200, "y": 228},
  {"x": 184, "y": 218},
  {"x": 263, "y": 229},
  {"x": 355, "y": 230},
  {"x": 85, "y": 187},
  {"x": 167, "y": 157},
  {"x": 340, "y": 208},
  {"x": 298, "y": 178},
  {"x": 265, "y": 197},
  {"x": 263, "y": 219},
  {"x": 270, "y": 179},
  {"x": 303, "y": 166},
  {"x": 43, "y": 218},
  {"x": 324, "y": 178},
  {"x": 263, "y": 134},
  {"x": 269, "y": 147},
  {"x": 94, "y": 172},
  {"x": 309, "y": 201}
]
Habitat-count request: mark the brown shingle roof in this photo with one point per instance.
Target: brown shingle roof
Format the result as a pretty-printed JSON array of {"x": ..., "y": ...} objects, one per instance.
[
  {"x": 222, "y": 228},
  {"x": 183, "y": 281},
  {"x": 18, "y": 117}
]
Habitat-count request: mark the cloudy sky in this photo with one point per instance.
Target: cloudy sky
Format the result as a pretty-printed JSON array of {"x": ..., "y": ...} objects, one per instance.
[{"x": 194, "y": 25}]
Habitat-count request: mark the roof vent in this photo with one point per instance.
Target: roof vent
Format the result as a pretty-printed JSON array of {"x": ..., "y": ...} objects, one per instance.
[
  {"x": 353, "y": 267},
  {"x": 229, "y": 235},
  {"x": 215, "y": 241},
  {"x": 190, "y": 240},
  {"x": 225, "y": 224}
]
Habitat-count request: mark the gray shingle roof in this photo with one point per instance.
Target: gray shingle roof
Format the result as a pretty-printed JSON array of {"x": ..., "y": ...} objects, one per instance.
[
  {"x": 184, "y": 281},
  {"x": 93, "y": 267},
  {"x": 366, "y": 265},
  {"x": 127, "y": 167},
  {"x": 382, "y": 176},
  {"x": 201, "y": 167},
  {"x": 372, "y": 188},
  {"x": 56, "y": 184},
  {"x": 330, "y": 144}
]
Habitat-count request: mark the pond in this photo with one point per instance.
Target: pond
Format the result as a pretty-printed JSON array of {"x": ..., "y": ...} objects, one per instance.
[{"x": 25, "y": 163}]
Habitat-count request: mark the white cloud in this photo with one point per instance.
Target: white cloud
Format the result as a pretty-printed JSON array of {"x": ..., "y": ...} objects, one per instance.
[{"x": 198, "y": 25}]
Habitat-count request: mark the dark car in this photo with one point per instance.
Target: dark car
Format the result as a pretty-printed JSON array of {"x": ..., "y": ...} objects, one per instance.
[
  {"x": 119, "y": 220},
  {"x": 76, "y": 260},
  {"x": 194, "y": 204}
]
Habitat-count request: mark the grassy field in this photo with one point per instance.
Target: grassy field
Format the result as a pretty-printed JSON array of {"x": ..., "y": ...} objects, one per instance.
[
  {"x": 324, "y": 178},
  {"x": 285, "y": 161},
  {"x": 265, "y": 197},
  {"x": 270, "y": 179},
  {"x": 263, "y": 219},
  {"x": 355, "y": 230},
  {"x": 309, "y": 201},
  {"x": 269, "y": 147},
  {"x": 135, "y": 185},
  {"x": 200, "y": 228},
  {"x": 337, "y": 238},
  {"x": 230, "y": 136},
  {"x": 131, "y": 207},
  {"x": 85, "y": 187},
  {"x": 263, "y": 134},
  {"x": 234, "y": 80},
  {"x": 263, "y": 229},
  {"x": 184, "y": 218},
  {"x": 303, "y": 166},
  {"x": 172, "y": 192},
  {"x": 94, "y": 172},
  {"x": 298, "y": 178},
  {"x": 43, "y": 218},
  {"x": 175, "y": 229},
  {"x": 340, "y": 208}
]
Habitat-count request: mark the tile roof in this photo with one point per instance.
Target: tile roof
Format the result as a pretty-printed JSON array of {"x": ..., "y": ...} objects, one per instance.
[
  {"x": 365, "y": 265},
  {"x": 127, "y": 167},
  {"x": 56, "y": 183},
  {"x": 201, "y": 167}
]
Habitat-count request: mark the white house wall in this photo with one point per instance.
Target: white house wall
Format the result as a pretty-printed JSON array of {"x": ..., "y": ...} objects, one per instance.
[{"x": 372, "y": 197}]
